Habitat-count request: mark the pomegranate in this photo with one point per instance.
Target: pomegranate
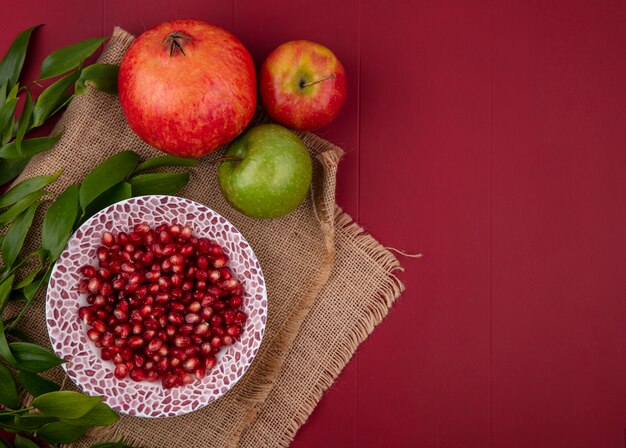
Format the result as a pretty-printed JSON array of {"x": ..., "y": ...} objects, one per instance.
[
  {"x": 187, "y": 87},
  {"x": 174, "y": 332}
]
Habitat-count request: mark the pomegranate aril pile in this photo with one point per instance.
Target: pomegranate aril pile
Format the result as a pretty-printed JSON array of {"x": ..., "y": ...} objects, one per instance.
[{"x": 162, "y": 304}]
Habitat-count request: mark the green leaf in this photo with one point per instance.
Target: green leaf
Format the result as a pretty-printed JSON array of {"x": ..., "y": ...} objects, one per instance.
[
  {"x": 4, "y": 444},
  {"x": 23, "y": 442},
  {"x": 61, "y": 432},
  {"x": 27, "y": 281},
  {"x": 34, "y": 384},
  {"x": 32, "y": 422},
  {"x": 25, "y": 188},
  {"x": 16, "y": 235},
  {"x": 5, "y": 291},
  {"x": 33, "y": 358},
  {"x": 59, "y": 222},
  {"x": 3, "y": 91},
  {"x": 10, "y": 169},
  {"x": 11, "y": 64},
  {"x": 5, "y": 350},
  {"x": 114, "y": 194},
  {"x": 21, "y": 205},
  {"x": 158, "y": 183},
  {"x": 53, "y": 98},
  {"x": 101, "y": 76},
  {"x": 157, "y": 162},
  {"x": 8, "y": 389},
  {"x": 100, "y": 415},
  {"x": 7, "y": 111},
  {"x": 24, "y": 122},
  {"x": 31, "y": 289},
  {"x": 68, "y": 58},
  {"x": 28, "y": 147},
  {"x": 110, "y": 172},
  {"x": 65, "y": 404}
]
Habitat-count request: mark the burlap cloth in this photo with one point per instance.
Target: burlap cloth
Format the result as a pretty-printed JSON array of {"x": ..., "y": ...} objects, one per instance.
[{"x": 328, "y": 284}]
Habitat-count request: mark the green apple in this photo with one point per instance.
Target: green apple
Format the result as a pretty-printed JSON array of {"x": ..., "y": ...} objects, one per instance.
[{"x": 266, "y": 172}]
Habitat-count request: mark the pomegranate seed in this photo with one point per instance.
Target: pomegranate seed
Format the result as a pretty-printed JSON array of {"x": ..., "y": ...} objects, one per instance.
[
  {"x": 225, "y": 273},
  {"x": 85, "y": 314},
  {"x": 240, "y": 317},
  {"x": 127, "y": 267},
  {"x": 120, "y": 315},
  {"x": 216, "y": 320},
  {"x": 207, "y": 312},
  {"x": 185, "y": 232},
  {"x": 215, "y": 276},
  {"x": 176, "y": 280},
  {"x": 187, "y": 378},
  {"x": 207, "y": 299},
  {"x": 185, "y": 329},
  {"x": 106, "y": 354},
  {"x": 136, "y": 316},
  {"x": 177, "y": 293},
  {"x": 99, "y": 326},
  {"x": 191, "y": 272},
  {"x": 194, "y": 307},
  {"x": 115, "y": 266},
  {"x": 215, "y": 249},
  {"x": 196, "y": 340},
  {"x": 108, "y": 239},
  {"x": 125, "y": 330},
  {"x": 94, "y": 285},
  {"x": 219, "y": 306},
  {"x": 209, "y": 362},
  {"x": 155, "y": 344},
  {"x": 178, "y": 269},
  {"x": 120, "y": 342},
  {"x": 127, "y": 353},
  {"x": 137, "y": 328},
  {"x": 202, "y": 262},
  {"x": 192, "y": 318},
  {"x": 206, "y": 348},
  {"x": 88, "y": 271},
  {"x": 137, "y": 374},
  {"x": 216, "y": 342},
  {"x": 93, "y": 335},
  {"x": 234, "y": 302},
  {"x": 191, "y": 364},
  {"x": 135, "y": 238},
  {"x": 165, "y": 284},
  {"x": 151, "y": 323},
  {"x": 148, "y": 335},
  {"x": 175, "y": 318},
  {"x": 120, "y": 372},
  {"x": 164, "y": 350},
  {"x": 200, "y": 285},
  {"x": 154, "y": 289},
  {"x": 83, "y": 287},
  {"x": 187, "y": 250},
  {"x": 152, "y": 376},
  {"x": 119, "y": 284},
  {"x": 204, "y": 245},
  {"x": 139, "y": 360},
  {"x": 170, "y": 330},
  {"x": 145, "y": 311},
  {"x": 201, "y": 275},
  {"x": 135, "y": 341},
  {"x": 130, "y": 248},
  {"x": 234, "y": 330},
  {"x": 117, "y": 359},
  {"x": 227, "y": 340},
  {"x": 181, "y": 341},
  {"x": 220, "y": 261},
  {"x": 199, "y": 373},
  {"x": 170, "y": 381},
  {"x": 176, "y": 259}
]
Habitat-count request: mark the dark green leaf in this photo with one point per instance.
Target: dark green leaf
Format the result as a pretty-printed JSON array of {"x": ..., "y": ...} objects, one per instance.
[
  {"x": 29, "y": 147},
  {"x": 16, "y": 235},
  {"x": 11, "y": 64},
  {"x": 12, "y": 212},
  {"x": 8, "y": 389},
  {"x": 7, "y": 111},
  {"x": 68, "y": 58},
  {"x": 158, "y": 183},
  {"x": 157, "y": 162},
  {"x": 36, "y": 385},
  {"x": 22, "y": 125},
  {"x": 5, "y": 350},
  {"x": 100, "y": 415},
  {"x": 53, "y": 98},
  {"x": 25, "y": 188},
  {"x": 23, "y": 442},
  {"x": 59, "y": 222},
  {"x": 60, "y": 432},
  {"x": 3, "y": 91},
  {"x": 10, "y": 169},
  {"x": 65, "y": 404},
  {"x": 5, "y": 291},
  {"x": 4, "y": 444},
  {"x": 33, "y": 358},
  {"x": 27, "y": 281},
  {"x": 17, "y": 296},
  {"x": 114, "y": 194},
  {"x": 110, "y": 172},
  {"x": 31, "y": 289},
  {"x": 101, "y": 76},
  {"x": 32, "y": 422}
]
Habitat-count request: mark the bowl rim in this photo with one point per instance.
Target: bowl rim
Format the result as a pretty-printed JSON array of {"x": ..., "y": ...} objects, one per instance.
[{"x": 257, "y": 342}]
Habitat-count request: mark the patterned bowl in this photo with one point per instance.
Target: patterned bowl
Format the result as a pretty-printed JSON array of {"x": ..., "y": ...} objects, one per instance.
[{"x": 68, "y": 334}]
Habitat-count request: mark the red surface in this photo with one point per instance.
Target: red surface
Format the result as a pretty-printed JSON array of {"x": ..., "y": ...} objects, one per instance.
[{"x": 491, "y": 136}]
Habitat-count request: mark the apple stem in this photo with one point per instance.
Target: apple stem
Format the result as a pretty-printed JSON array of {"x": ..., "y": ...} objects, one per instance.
[
  {"x": 172, "y": 40},
  {"x": 310, "y": 83},
  {"x": 226, "y": 159}
]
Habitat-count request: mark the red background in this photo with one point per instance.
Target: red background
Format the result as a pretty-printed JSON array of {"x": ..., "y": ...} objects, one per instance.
[{"x": 491, "y": 136}]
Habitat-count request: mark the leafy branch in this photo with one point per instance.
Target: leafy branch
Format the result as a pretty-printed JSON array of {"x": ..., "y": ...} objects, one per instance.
[
  {"x": 70, "y": 79},
  {"x": 119, "y": 177}
]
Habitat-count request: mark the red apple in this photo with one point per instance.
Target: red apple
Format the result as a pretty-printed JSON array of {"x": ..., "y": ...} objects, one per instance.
[
  {"x": 302, "y": 85},
  {"x": 187, "y": 87}
]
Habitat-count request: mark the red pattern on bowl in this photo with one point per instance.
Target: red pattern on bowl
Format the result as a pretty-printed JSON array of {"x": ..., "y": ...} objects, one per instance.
[{"x": 68, "y": 334}]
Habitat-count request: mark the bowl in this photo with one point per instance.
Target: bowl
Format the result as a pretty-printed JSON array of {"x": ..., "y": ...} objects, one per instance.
[{"x": 68, "y": 333}]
